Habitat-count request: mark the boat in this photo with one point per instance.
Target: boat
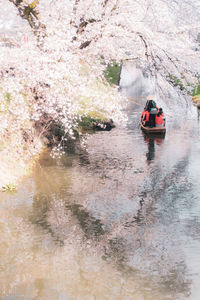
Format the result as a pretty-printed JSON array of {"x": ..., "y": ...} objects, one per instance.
[{"x": 156, "y": 130}]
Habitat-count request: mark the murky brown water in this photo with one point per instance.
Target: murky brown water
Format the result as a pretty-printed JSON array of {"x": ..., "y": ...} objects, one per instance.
[{"x": 118, "y": 220}]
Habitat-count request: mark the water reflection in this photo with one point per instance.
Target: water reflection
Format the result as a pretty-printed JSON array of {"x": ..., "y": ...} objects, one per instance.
[
  {"x": 144, "y": 233},
  {"x": 102, "y": 224},
  {"x": 91, "y": 226},
  {"x": 151, "y": 140}
]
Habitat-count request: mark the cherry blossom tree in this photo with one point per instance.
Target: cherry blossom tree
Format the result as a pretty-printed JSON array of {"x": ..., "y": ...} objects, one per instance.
[{"x": 61, "y": 65}]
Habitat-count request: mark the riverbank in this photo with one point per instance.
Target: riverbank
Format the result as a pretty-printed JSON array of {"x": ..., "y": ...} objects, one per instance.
[
  {"x": 49, "y": 112},
  {"x": 19, "y": 151}
]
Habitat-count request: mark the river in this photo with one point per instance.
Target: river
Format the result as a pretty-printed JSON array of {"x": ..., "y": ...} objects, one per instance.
[{"x": 118, "y": 219}]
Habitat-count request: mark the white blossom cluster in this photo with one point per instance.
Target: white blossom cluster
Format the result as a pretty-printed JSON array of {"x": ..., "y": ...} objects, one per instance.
[
  {"x": 61, "y": 77},
  {"x": 14, "y": 108},
  {"x": 53, "y": 85}
]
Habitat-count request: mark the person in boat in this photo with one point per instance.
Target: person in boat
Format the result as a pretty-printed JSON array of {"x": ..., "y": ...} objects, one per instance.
[
  {"x": 149, "y": 117},
  {"x": 160, "y": 119},
  {"x": 150, "y": 102},
  {"x": 152, "y": 109},
  {"x": 147, "y": 105},
  {"x": 152, "y": 116}
]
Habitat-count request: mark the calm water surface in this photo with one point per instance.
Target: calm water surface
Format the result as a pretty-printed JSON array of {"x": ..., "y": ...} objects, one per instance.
[{"x": 119, "y": 219}]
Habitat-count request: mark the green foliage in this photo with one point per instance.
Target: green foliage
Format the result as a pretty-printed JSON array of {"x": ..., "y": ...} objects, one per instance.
[
  {"x": 85, "y": 122},
  {"x": 10, "y": 187},
  {"x": 191, "y": 89},
  {"x": 196, "y": 90},
  {"x": 92, "y": 123},
  {"x": 176, "y": 81},
  {"x": 112, "y": 73}
]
